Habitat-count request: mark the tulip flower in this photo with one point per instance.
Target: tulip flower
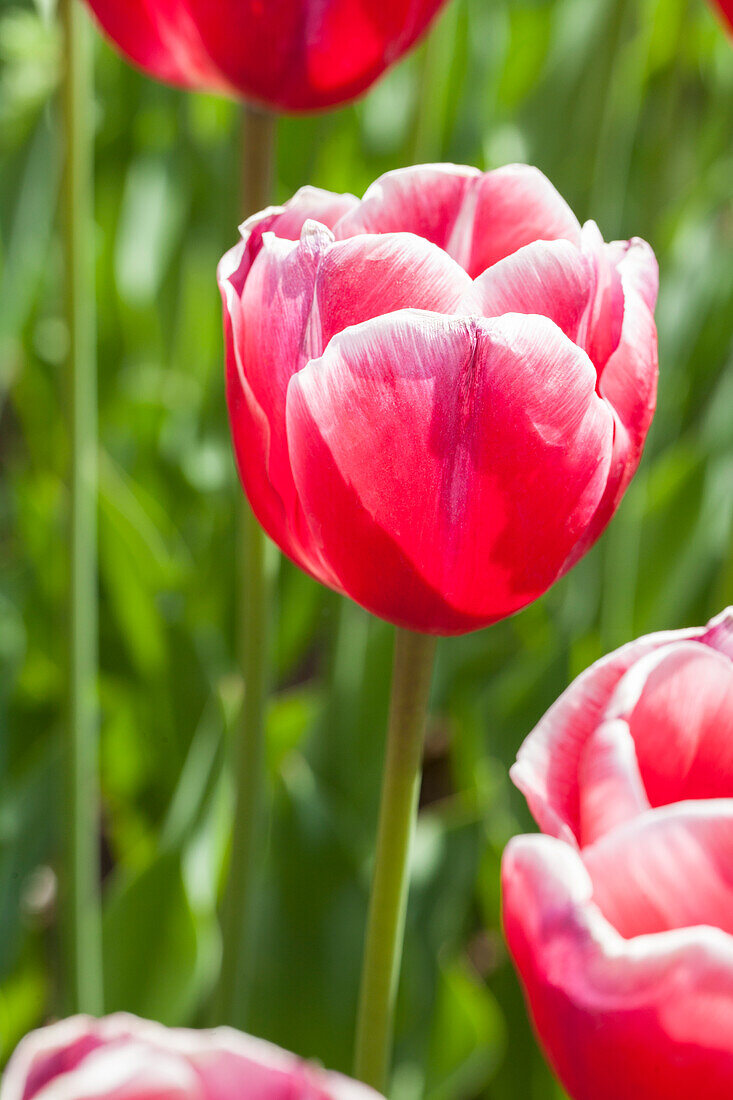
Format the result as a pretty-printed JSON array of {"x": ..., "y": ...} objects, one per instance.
[
  {"x": 292, "y": 55},
  {"x": 437, "y": 394},
  {"x": 620, "y": 918},
  {"x": 124, "y": 1058}
]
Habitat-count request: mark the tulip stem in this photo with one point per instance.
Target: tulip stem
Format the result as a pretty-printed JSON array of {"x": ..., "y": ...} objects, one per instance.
[
  {"x": 412, "y": 673},
  {"x": 81, "y": 890},
  {"x": 254, "y": 614}
]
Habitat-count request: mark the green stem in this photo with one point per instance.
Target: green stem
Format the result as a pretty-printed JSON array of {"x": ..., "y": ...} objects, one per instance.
[
  {"x": 255, "y": 586},
  {"x": 413, "y": 664},
  {"x": 81, "y": 887}
]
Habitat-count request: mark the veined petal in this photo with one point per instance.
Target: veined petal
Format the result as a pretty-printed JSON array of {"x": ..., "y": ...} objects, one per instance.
[
  {"x": 463, "y": 441},
  {"x": 649, "y": 1017}
]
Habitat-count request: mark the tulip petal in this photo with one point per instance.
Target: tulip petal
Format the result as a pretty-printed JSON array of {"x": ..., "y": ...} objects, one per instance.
[
  {"x": 611, "y": 788},
  {"x": 667, "y": 868},
  {"x": 546, "y": 769},
  {"x": 678, "y": 703},
  {"x": 551, "y": 278},
  {"x": 477, "y": 218},
  {"x": 628, "y": 381},
  {"x": 164, "y": 39},
  {"x": 122, "y": 1057},
  {"x": 649, "y": 1017},
  {"x": 460, "y": 441},
  {"x": 426, "y": 200},
  {"x": 295, "y": 296},
  {"x": 516, "y": 205},
  {"x": 719, "y": 633},
  {"x": 96, "y": 1060},
  {"x": 307, "y": 204}
]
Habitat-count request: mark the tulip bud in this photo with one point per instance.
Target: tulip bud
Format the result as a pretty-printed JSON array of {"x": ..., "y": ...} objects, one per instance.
[{"x": 437, "y": 394}]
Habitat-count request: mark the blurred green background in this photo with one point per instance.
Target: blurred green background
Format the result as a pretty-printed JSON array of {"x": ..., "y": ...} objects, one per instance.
[{"x": 627, "y": 106}]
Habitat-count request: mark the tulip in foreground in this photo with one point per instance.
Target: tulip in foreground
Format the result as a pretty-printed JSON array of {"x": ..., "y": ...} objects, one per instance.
[
  {"x": 620, "y": 919},
  {"x": 289, "y": 54},
  {"x": 124, "y": 1058},
  {"x": 438, "y": 394}
]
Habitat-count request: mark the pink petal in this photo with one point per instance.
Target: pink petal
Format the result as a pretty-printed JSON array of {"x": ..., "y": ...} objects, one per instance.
[
  {"x": 551, "y": 278},
  {"x": 293, "y": 298},
  {"x": 309, "y": 204},
  {"x": 131, "y": 1059},
  {"x": 650, "y": 1017},
  {"x": 458, "y": 446},
  {"x": 97, "y": 1060},
  {"x": 234, "y": 1066},
  {"x": 611, "y": 788},
  {"x": 548, "y": 762},
  {"x": 628, "y": 382},
  {"x": 606, "y": 307},
  {"x": 287, "y": 221},
  {"x": 719, "y": 633},
  {"x": 477, "y": 218},
  {"x": 666, "y": 869},
  {"x": 516, "y": 205},
  {"x": 678, "y": 704},
  {"x": 426, "y": 200}
]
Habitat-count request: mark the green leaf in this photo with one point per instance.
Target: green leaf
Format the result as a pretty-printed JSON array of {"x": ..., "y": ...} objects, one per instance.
[{"x": 156, "y": 951}]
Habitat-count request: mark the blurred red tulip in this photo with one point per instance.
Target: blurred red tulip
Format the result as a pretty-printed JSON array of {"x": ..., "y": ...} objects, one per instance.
[
  {"x": 289, "y": 54},
  {"x": 725, "y": 7},
  {"x": 439, "y": 394},
  {"x": 621, "y": 920},
  {"x": 124, "y": 1058}
]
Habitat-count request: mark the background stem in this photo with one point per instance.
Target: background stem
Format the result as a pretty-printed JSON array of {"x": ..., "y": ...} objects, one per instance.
[
  {"x": 81, "y": 886},
  {"x": 413, "y": 665},
  {"x": 254, "y": 615}
]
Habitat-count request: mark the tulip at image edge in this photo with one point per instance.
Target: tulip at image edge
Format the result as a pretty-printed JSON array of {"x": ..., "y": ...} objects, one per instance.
[
  {"x": 291, "y": 55},
  {"x": 620, "y": 918},
  {"x": 126, "y": 1058},
  {"x": 438, "y": 394}
]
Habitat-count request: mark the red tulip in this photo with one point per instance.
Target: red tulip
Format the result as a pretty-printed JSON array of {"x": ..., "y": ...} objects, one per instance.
[
  {"x": 124, "y": 1058},
  {"x": 620, "y": 920},
  {"x": 289, "y": 54},
  {"x": 439, "y": 394}
]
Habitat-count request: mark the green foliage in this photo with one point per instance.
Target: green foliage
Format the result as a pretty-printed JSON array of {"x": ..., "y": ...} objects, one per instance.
[{"x": 626, "y": 105}]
